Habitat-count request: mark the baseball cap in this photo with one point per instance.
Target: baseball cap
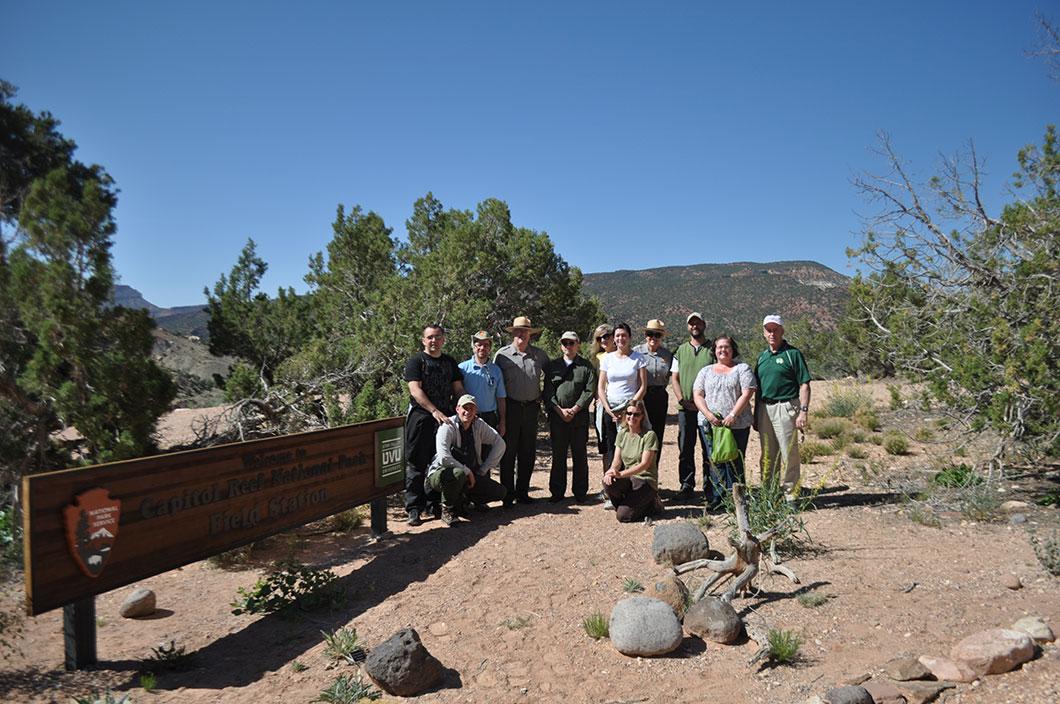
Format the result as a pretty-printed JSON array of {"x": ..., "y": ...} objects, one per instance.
[
  {"x": 775, "y": 319},
  {"x": 465, "y": 400},
  {"x": 570, "y": 335}
]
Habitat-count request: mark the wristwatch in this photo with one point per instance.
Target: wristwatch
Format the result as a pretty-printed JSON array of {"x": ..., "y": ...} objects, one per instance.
[{"x": 804, "y": 409}]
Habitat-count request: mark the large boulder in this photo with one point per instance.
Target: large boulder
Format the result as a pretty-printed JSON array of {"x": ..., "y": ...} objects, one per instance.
[
  {"x": 138, "y": 604},
  {"x": 670, "y": 589},
  {"x": 402, "y": 666},
  {"x": 994, "y": 651},
  {"x": 851, "y": 694},
  {"x": 950, "y": 670},
  {"x": 714, "y": 619},
  {"x": 641, "y": 625},
  {"x": 675, "y": 543}
]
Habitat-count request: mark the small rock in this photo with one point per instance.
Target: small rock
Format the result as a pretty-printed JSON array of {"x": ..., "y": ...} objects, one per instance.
[
  {"x": 676, "y": 543},
  {"x": 438, "y": 628},
  {"x": 815, "y": 699},
  {"x": 1036, "y": 628},
  {"x": 670, "y": 589},
  {"x": 857, "y": 679},
  {"x": 906, "y": 668},
  {"x": 850, "y": 694},
  {"x": 642, "y": 625},
  {"x": 923, "y": 692},
  {"x": 714, "y": 620},
  {"x": 883, "y": 692},
  {"x": 138, "y": 604},
  {"x": 402, "y": 666},
  {"x": 1014, "y": 506},
  {"x": 946, "y": 669},
  {"x": 994, "y": 651},
  {"x": 1011, "y": 581},
  {"x": 1017, "y": 519}
]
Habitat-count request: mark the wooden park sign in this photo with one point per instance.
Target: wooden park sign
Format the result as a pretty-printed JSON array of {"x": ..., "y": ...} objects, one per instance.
[{"x": 92, "y": 529}]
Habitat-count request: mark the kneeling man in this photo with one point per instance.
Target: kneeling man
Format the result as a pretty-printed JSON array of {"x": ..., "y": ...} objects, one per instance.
[{"x": 459, "y": 471}]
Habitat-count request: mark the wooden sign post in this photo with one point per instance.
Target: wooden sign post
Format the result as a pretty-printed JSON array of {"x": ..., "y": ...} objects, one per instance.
[{"x": 93, "y": 529}]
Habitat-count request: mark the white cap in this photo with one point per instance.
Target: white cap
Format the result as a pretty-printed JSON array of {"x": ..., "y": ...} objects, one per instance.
[
  {"x": 775, "y": 319},
  {"x": 694, "y": 315},
  {"x": 570, "y": 335}
]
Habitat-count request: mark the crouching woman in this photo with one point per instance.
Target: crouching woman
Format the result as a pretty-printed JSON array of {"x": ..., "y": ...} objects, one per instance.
[
  {"x": 458, "y": 470},
  {"x": 632, "y": 481}
]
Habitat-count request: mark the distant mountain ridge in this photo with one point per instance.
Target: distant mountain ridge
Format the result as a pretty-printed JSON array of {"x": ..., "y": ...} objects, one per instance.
[
  {"x": 182, "y": 320},
  {"x": 731, "y": 297}
]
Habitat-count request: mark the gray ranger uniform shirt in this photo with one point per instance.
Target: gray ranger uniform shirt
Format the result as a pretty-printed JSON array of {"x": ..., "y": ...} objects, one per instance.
[{"x": 522, "y": 372}]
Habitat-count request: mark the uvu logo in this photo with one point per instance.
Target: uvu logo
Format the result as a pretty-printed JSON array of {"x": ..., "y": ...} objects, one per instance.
[{"x": 392, "y": 451}]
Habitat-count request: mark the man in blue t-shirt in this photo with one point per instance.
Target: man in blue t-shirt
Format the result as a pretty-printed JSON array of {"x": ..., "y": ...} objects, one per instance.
[
  {"x": 484, "y": 380},
  {"x": 434, "y": 380}
]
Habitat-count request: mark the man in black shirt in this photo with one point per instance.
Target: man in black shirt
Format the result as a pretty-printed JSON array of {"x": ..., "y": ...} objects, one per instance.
[{"x": 434, "y": 380}]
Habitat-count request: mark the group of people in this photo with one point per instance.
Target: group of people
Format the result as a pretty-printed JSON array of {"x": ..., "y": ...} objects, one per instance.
[{"x": 451, "y": 449}]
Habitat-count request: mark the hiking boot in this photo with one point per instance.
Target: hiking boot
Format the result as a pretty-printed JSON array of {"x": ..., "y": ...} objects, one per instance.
[
  {"x": 414, "y": 518},
  {"x": 608, "y": 506},
  {"x": 448, "y": 516},
  {"x": 463, "y": 511},
  {"x": 525, "y": 499},
  {"x": 686, "y": 493}
]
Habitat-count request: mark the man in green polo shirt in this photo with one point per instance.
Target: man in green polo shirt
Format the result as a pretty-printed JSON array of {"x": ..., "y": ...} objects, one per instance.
[
  {"x": 691, "y": 356},
  {"x": 782, "y": 405}
]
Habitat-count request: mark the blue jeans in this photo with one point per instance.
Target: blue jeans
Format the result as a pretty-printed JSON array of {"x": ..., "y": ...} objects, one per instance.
[
  {"x": 687, "y": 430},
  {"x": 724, "y": 475}
]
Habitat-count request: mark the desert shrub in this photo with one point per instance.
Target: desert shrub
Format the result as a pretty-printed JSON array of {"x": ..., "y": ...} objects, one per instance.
[
  {"x": 767, "y": 508},
  {"x": 1047, "y": 550},
  {"x": 857, "y": 453},
  {"x": 896, "y": 396},
  {"x": 844, "y": 403},
  {"x": 980, "y": 502},
  {"x": 346, "y": 521},
  {"x": 811, "y": 450},
  {"x": 632, "y": 586},
  {"x": 343, "y": 644},
  {"x": 514, "y": 623},
  {"x": 876, "y": 439},
  {"x": 867, "y": 419},
  {"x": 10, "y": 541},
  {"x": 924, "y": 434},
  {"x": 830, "y": 428},
  {"x": 595, "y": 626},
  {"x": 148, "y": 681},
  {"x": 232, "y": 559},
  {"x": 957, "y": 476},
  {"x": 348, "y": 689},
  {"x": 857, "y": 435},
  {"x": 299, "y": 666},
  {"x": 783, "y": 645},
  {"x": 895, "y": 444},
  {"x": 290, "y": 584},
  {"x": 924, "y": 516},
  {"x": 839, "y": 442},
  {"x": 812, "y": 600},
  {"x": 169, "y": 656}
]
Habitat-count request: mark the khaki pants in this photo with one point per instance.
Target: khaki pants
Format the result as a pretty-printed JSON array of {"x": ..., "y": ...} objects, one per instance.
[{"x": 780, "y": 442}]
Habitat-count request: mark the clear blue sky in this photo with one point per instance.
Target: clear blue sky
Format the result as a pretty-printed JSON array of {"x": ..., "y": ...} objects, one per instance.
[{"x": 635, "y": 134}]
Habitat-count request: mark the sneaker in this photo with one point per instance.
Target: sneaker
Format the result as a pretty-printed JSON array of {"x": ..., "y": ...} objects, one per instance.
[
  {"x": 463, "y": 511},
  {"x": 482, "y": 507},
  {"x": 525, "y": 499},
  {"x": 436, "y": 510},
  {"x": 687, "y": 492},
  {"x": 414, "y": 518},
  {"x": 448, "y": 516},
  {"x": 608, "y": 506}
]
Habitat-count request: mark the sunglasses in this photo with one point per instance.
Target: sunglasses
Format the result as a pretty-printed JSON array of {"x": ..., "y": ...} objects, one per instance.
[
  {"x": 633, "y": 414},
  {"x": 568, "y": 343},
  {"x": 604, "y": 337},
  {"x": 655, "y": 335}
]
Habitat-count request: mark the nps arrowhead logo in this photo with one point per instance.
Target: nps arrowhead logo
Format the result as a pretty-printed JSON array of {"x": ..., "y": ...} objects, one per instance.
[{"x": 91, "y": 529}]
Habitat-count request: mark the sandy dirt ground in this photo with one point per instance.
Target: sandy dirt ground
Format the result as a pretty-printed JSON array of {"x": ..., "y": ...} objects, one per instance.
[{"x": 500, "y": 600}]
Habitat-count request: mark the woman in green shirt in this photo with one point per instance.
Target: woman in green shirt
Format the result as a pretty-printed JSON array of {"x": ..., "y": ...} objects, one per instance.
[{"x": 632, "y": 481}]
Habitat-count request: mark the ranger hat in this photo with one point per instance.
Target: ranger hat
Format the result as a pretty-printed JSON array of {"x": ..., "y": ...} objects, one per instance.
[
  {"x": 775, "y": 319},
  {"x": 465, "y": 400},
  {"x": 656, "y": 325},
  {"x": 522, "y": 322},
  {"x": 481, "y": 336}
]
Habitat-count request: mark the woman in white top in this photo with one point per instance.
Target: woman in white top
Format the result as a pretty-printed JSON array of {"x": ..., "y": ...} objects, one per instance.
[
  {"x": 722, "y": 393},
  {"x": 623, "y": 381}
]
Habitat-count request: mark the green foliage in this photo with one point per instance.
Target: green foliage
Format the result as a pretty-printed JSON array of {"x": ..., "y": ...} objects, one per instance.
[
  {"x": 148, "y": 681},
  {"x": 811, "y": 600},
  {"x": 845, "y": 402},
  {"x": 923, "y": 515},
  {"x": 68, "y": 357},
  {"x": 343, "y": 644},
  {"x": 10, "y": 541},
  {"x": 957, "y": 476},
  {"x": 839, "y": 442},
  {"x": 299, "y": 666},
  {"x": 961, "y": 299},
  {"x": 595, "y": 626},
  {"x": 632, "y": 586},
  {"x": 783, "y": 645},
  {"x": 1047, "y": 550},
  {"x": 830, "y": 428},
  {"x": 896, "y": 403},
  {"x": 811, "y": 450},
  {"x": 345, "y": 521},
  {"x": 514, "y": 623},
  {"x": 867, "y": 419},
  {"x": 980, "y": 502},
  {"x": 768, "y": 509},
  {"x": 170, "y": 656},
  {"x": 107, "y": 697},
  {"x": 895, "y": 443},
  {"x": 348, "y": 689},
  {"x": 289, "y": 585},
  {"x": 924, "y": 434},
  {"x": 856, "y": 452}
]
